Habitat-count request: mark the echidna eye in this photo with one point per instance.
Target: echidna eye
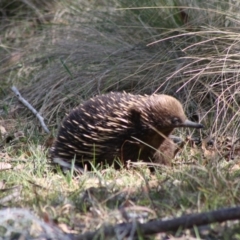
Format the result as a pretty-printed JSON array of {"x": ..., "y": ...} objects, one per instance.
[{"x": 175, "y": 121}]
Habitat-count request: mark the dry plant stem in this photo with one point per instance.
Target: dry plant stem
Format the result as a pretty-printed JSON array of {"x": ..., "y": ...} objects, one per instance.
[
  {"x": 30, "y": 107},
  {"x": 158, "y": 226}
]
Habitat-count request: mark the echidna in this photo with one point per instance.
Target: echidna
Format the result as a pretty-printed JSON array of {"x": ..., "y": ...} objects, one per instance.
[{"x": 119, "y": 125}]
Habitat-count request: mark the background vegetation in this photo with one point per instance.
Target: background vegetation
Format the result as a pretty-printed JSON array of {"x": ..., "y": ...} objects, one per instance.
[{"x": 59, "y": 53}]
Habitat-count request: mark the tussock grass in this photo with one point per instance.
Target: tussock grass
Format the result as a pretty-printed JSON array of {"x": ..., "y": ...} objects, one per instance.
[
  {"x": 195, "y": 61},
  {"x": 61, "y": 53}
]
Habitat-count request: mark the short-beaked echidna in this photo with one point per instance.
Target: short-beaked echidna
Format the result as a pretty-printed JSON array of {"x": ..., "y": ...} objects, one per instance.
[{"x": 119, "y": 125}]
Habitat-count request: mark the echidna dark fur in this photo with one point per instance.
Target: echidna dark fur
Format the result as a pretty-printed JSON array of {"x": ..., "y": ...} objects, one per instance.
[{"x": 119, "y": 125}]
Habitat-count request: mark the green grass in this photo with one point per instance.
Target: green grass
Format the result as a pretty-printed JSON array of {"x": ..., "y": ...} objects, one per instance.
[{"x": 95, "y": 198}]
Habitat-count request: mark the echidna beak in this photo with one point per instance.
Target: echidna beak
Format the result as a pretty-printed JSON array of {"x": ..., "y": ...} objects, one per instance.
[{"x": 191, "y": 124}]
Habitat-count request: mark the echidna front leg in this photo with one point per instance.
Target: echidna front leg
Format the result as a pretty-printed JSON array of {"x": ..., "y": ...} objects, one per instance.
[{"x": 165, "y": 153}]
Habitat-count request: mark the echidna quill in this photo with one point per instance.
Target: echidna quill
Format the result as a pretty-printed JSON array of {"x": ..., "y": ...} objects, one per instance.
[{"x": 119, "y": 126}]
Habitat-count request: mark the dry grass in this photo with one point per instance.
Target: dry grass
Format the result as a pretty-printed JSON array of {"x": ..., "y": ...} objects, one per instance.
[
  {"x": 197, "y": 64},
  {"x": 62, "y": 53}
]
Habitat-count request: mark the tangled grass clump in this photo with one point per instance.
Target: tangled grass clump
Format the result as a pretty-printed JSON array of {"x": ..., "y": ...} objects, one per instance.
[{"x": 78, "y": 56}]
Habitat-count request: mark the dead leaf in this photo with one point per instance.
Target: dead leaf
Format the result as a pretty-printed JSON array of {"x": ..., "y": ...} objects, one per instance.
[
  {"x": 3, "y": 132},
  {"x": 66, "y": 229},
  {"x": 19, "y": 134},
  {"x": 5, "y": 166},
  {"x": 2, "y": 184},
  {"x": 49, "y": 142}
]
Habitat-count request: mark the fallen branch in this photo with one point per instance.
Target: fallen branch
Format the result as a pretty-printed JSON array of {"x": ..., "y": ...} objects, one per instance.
[
  {"x": 30, "y": 107},
  {"x": 158, "y": 226}
]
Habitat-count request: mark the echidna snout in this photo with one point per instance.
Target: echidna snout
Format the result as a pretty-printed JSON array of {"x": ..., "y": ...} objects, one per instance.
[{"x": 118, "y": 125}]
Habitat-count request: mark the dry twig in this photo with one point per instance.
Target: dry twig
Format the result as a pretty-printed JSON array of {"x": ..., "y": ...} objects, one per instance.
[
  {"x": 30, "y": 107},
  {"x": 158, "y": 226}
]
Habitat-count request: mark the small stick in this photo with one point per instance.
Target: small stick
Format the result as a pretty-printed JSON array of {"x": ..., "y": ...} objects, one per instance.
[
  {"x": 158, "y": 226},
  {"x": 30, "y": 107}
]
